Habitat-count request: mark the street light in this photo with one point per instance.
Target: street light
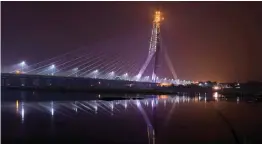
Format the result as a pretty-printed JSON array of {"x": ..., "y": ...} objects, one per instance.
[
  {"x": 126, "y": 75},
  {"x": 22, "y": 64},
  {"x": 138, "y": 76},
  {"x": 52, "y": 67},
  {"x": 75, "y": 70},
  {"x": 95, "y": 73},
  {"x": 112, "y": 74}
]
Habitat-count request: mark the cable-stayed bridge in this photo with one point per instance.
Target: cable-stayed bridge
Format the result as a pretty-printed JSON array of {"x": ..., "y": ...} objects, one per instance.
[{"x": 106, "y": 64}]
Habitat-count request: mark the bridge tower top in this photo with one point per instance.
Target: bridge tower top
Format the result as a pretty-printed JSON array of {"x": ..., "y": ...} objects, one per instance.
[
  {"x": 158, "y": 18},
  {"x": 153, "y": 47}
]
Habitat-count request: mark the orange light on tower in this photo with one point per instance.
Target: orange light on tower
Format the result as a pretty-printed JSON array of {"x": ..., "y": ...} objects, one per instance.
[{"x": 158, "y": 17}]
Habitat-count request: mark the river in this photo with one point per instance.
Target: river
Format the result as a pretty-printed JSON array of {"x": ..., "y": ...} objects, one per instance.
[{"x": 154, "y": 119}]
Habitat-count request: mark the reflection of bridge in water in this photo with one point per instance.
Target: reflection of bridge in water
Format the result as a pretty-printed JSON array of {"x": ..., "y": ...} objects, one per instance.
[
  {"x": 148, "y": 110},
  {"x": 150, "y": 119},
  {"x": 104, "y": 107}
]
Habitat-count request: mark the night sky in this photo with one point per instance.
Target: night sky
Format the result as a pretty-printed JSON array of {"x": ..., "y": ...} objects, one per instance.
[{"x": 218, "y": 41}]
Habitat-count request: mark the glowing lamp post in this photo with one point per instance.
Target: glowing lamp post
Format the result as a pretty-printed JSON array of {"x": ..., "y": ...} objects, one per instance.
[
  {"x": 112, "y": 74},
  {"x": 75, "y": 70},
  {"x": 95, "y": 73},
  {"x": 22, "y": 64},
  {"x": 125, "y": 76},
  {"x": 137, "y": 77},
  {"x": 52, "y": 68}
]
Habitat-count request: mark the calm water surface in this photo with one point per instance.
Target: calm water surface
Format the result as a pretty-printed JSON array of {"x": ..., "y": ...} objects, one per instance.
[{"x": 155, "y": 119}]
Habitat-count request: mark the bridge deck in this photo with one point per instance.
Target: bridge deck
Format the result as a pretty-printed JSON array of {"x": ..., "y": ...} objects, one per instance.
[{"x": 43, "y": 82}]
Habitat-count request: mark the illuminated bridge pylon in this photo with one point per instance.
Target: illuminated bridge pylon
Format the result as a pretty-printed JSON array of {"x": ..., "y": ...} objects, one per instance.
[
  {"x": 110, "y": 62},
  {"x": 153, "y": 48}
]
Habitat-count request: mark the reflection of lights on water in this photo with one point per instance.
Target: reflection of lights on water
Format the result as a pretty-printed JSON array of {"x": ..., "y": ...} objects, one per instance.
[
  {"x": 177, "y": 100},
  {"x": 112, "y": 106},
  {"x": 75, "y": 109},
  {"x": 151, "y": 134},
  {"x": 23, "y": 112},
  {"x": 195, "y": 99},
  {"x": 52, "y": 108},
  {"x": 95, "y": 107},
  {"x": 215, "y": 95},
  {"x": 109, "y": 106},
  {"x": 17, "y": 106},
  {"x": 237, "y": 99},
  {"x": 137, "y": 103},
  {"x": 125, "y": 104},
  {"x": 152, "y": 103},
  {"x": 52, "y": 111},
  {"x": 146, "y": 103}
]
